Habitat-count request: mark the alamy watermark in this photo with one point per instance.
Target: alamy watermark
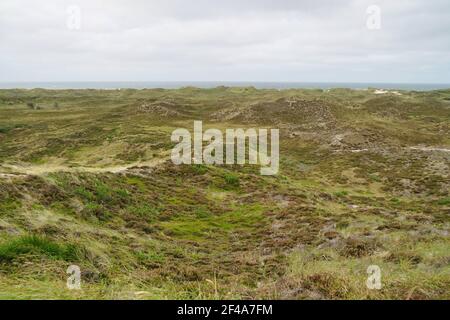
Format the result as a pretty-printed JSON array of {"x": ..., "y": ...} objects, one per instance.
[
  {"x": 235, "y": 147},
  {"x": 74, "y": 279},
  {"x": 73, "y": 21},
  {"x": 373, "y": 21},
  {"x": 373, "y": 281}
]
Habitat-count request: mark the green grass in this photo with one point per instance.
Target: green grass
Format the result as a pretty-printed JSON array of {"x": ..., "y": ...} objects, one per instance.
[
  {"x": 156, "y": 230},
  {"x": 204, "y": 225},
  {"x": 8, "y": 206},
  {"x": 145, "y": 211},
  {"x": 147, "y": 257},
  {"x": 341, "y": 193},
  {"x": 231, "y": 180},
  {"x": 331, "y": 276},
  {"x": 444, "y": 201},
  {"x": 33, "y": 244}
]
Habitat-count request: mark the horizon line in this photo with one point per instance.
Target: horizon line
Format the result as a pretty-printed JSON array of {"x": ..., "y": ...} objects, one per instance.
[{"x": 223, "y": 81}]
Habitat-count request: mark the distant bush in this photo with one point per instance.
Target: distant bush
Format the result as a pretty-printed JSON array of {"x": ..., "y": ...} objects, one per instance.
[
  {"x": 33, "y": 106},
  {"x": 7, "y": 128},
  {"x": 4, "y": 129}
]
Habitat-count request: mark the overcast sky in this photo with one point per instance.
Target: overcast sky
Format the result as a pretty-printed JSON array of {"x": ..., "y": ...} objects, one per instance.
[{"x": 226, "y": 40}]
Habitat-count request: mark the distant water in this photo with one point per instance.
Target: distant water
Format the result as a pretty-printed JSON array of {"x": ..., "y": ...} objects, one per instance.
[{"x": 213, "y": 84}]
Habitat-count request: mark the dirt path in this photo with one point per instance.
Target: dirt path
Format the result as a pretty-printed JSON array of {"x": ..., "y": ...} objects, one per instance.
[
  {"x": 9, "y": 170},
  {"x": 429, "y": 149},
  {"x": 425, "y": 149}
]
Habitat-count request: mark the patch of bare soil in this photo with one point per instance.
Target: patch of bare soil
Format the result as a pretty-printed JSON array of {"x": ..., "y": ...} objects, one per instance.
[{"x": 430, "y": 149}]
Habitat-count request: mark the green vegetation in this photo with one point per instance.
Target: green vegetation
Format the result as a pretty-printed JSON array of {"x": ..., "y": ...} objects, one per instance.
[
  {"x": 231, "y": 180},
  {"x": 444, "y": 201},
  {"x": 86, "y": 179},
  {"x": 13, "y": 248}
]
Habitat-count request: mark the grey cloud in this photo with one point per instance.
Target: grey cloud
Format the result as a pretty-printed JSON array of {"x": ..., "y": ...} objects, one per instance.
[{"x": 225, "y": 40}]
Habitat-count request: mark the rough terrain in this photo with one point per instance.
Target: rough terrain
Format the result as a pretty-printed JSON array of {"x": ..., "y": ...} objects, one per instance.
[{"x": 86, "y": 179}]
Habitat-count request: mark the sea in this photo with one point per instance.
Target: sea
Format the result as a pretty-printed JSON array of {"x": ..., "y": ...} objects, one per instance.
[{"x": 111, "y": 85}]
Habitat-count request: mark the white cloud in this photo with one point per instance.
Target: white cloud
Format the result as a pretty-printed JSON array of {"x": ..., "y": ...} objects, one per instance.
[{"x": 225, "y": 40}]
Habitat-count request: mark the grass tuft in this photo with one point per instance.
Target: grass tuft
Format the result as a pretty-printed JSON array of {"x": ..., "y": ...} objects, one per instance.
[{"x": 33, "y": 244}]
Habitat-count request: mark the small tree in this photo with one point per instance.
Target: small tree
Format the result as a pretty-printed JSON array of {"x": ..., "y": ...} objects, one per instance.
[{"x": 31, "y": 105}]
